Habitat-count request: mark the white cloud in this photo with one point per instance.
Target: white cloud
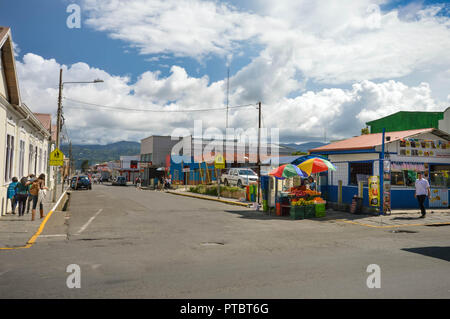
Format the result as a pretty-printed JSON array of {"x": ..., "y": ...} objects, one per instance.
[{"x": 301, "y": 118}]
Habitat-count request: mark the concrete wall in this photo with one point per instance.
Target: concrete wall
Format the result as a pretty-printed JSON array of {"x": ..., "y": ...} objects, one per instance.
[{"x": 444, "y": 124}]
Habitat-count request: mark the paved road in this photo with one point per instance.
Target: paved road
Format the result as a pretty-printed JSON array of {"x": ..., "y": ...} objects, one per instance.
[{"x": 132, "y": 244}]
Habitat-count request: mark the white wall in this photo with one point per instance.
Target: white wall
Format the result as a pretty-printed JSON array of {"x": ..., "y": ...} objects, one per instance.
[{"x": 444, "y": 124}]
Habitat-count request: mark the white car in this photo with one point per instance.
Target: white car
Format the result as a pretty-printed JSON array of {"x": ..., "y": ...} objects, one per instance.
[{"x": 239, "y": 177}]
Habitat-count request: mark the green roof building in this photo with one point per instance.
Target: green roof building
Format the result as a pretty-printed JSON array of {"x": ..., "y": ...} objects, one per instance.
[{"x": 403, "y": 120}]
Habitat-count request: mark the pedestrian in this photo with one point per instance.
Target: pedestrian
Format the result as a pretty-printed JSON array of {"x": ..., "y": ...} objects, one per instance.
[
  {"x": 31, "y": 179},
  {"x": 11, "y": 195},
  {"x": 37, "y": 191},
  {"x": 422, "y": 191},
  {"x": 138, "y": 182},
  {"x": 22, "y": 194}
]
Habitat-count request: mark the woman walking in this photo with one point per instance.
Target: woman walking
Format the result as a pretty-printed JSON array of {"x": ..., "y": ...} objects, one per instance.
[
  {"x": 12, "y": 194},
  {"x": 22, "y": 194},
  {"x": 37, "y": 191}
]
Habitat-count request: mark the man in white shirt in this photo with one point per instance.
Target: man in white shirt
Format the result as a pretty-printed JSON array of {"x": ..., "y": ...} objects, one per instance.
[{"x": 422, "y": 191}]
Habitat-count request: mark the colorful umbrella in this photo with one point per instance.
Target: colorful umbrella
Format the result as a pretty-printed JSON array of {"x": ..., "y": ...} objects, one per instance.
[
  {"x": 287, "y": 170},
  {"x": 316, "y": 165}
]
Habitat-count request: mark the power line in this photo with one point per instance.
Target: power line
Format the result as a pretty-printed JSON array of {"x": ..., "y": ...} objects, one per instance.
[{"x": 121, "y": 108}]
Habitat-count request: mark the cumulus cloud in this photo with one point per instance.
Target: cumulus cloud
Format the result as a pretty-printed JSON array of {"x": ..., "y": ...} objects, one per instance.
[{"x": 301, "y": 118}]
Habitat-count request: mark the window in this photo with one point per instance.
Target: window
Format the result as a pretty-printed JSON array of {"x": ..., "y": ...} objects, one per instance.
[
  {"x": 21, "y": 158},
  {"x": 360, "y": 172},
  {"x": 35, "y": 160},
  {"x": 9, "y": 157},
  {"x": 40, "y": 160},
  {"x": 45, "y": 161},
  {"x": 30, "y": 159},
  {"x": 440, "y": 175}
]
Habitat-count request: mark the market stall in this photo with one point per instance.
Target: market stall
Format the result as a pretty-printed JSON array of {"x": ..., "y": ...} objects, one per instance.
[{"x": 299, "y": 201}]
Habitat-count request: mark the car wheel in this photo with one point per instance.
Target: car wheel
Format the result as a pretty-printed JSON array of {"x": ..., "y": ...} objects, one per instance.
[{"x": 239, "y": 183}]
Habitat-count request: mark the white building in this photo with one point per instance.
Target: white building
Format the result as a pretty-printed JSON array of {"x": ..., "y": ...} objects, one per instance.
[{"x": 23, "y": 138}]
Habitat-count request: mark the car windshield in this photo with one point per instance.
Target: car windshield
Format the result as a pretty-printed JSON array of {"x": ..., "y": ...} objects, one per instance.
[
  {"x": 84, "y": 178},
  {"x": 246, "y": 172}
]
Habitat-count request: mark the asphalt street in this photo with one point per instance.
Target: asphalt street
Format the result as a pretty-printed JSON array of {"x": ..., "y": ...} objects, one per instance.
[{"x": 133, "y": 243}]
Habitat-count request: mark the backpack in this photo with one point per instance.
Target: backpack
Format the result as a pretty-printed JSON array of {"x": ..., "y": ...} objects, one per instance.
[{"x": 34, "y": 189}]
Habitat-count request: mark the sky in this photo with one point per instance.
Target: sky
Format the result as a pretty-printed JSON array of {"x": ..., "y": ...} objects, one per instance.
[{"x": 321, "y": 69}]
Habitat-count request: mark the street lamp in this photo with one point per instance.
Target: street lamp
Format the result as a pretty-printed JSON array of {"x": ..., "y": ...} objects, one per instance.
[{"x": 58, "y": 121}]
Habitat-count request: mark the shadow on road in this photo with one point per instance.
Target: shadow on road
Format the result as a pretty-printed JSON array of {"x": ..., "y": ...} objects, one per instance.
[{"x": 433, "y": 251}]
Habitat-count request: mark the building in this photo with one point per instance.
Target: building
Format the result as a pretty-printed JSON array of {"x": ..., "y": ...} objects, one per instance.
[
  {"x": 406, "y": 153},
  {"x": 129, "y": 168},
  {"x": 404, "y": 120},
  {"x": 24, "y": 148}
]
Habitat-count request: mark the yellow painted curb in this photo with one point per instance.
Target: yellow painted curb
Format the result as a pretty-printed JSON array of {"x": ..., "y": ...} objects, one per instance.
[
  {"x": 213, "y": 199},
  {"x": 391, "y": 226},
  {"x": 33, "y": 238}
]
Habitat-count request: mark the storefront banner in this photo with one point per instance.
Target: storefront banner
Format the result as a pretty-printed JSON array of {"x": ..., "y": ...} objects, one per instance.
[
  {"x": 439, "y": 198},
  {"x": 374, "y": 191},
  {"x": 424, "y": 148}
]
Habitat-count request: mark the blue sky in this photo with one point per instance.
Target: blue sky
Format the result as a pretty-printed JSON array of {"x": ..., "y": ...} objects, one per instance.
[{"x": 328, "y": 62}]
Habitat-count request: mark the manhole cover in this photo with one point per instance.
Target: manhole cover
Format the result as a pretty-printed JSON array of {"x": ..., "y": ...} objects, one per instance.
[
  {"x": 212, "y": 244},
  {"x": 404, "y": 231}
]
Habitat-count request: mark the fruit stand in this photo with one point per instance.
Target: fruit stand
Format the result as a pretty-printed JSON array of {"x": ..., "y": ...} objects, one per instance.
[{"x": 305, "y": 203}]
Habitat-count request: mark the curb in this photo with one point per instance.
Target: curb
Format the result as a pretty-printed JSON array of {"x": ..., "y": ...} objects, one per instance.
[
  {"x": 33, "y": 238},
  {"x": 213, "y": 199}
]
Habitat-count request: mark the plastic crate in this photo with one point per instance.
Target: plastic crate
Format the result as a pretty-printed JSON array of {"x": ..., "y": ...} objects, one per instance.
[
  {"x": 320, "y": 210},
  {"x": 310, "y": 211},
  {"x": 297, "y": 212}
]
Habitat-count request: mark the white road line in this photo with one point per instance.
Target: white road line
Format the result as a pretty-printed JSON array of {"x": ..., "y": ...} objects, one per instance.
[{"x": 89, "y": 221}]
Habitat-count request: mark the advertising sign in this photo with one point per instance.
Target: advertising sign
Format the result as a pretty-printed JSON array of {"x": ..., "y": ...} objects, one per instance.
[
  {"x": 386, "y": 186},
  {"x": 219, "y": 161},
  {"x": 374, "y": 190}
]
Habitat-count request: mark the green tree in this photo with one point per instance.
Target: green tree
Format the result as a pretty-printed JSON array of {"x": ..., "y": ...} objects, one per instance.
[
  {"x": 85, "y": 165},
  {"x": 365, "y": 131},
  {"x": 300, "y": 153}
]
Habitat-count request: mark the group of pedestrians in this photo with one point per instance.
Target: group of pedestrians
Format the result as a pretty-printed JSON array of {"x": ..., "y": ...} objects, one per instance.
[{"x": 29, "y": 190}]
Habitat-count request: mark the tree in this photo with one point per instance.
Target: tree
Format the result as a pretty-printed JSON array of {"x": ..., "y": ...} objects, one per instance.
[
  {"x": 365, "y": 131},
  {"x": 300, "y": 153},
  {"x": 85, "y": 165}
]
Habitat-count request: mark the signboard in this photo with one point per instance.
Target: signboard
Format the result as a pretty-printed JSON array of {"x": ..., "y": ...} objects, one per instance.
[
  {"x": 56, "y": 158},
  {"x": 374, "y": 191},
  {"x": 219, "y": 161},
  {"x": 424, "y": 148},
  {"x": 386, "y": 186}
]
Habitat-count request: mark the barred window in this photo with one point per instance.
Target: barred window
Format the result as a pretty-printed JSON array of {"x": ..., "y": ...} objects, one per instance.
[{"x": 360, "y": 172}]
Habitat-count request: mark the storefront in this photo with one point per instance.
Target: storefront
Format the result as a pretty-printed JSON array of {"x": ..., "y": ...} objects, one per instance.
[{"x": 405, "y": 154}]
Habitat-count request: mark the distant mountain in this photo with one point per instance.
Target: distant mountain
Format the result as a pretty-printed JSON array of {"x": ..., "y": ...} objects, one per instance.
[
  {"x": 96, "y": 153},
  {"x": 305, "y": 147}
]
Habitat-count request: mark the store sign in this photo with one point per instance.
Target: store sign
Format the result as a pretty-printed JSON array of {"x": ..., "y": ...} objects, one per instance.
[
  {"x": 374, "y": 191},
  {"x": 424, "y": 148},
  {"x": 386, "y": 186}
]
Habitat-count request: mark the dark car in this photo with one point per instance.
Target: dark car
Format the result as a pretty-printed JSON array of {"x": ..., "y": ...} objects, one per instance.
[
  {"x": 120, "y": 181},
  {"x": 79, "y": 182}
]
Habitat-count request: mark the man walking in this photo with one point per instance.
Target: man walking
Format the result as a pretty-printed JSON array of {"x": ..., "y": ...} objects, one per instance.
[{"x": 422, "y": 191}]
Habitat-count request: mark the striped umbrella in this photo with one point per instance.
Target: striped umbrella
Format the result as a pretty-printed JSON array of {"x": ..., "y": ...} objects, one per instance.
[
  {"x": 316, "y": 165},
  {"x": 287, "y": 170}
]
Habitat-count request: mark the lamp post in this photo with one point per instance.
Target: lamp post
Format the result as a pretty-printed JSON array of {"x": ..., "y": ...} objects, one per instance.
[{"x": 58, "y": 124}]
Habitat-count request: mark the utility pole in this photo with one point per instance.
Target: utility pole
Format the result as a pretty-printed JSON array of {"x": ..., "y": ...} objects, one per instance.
[
  {"x": 228, "y": 93},
  {"x": 58, "y": 127},
  {"x": 70, "y": 159},
  {"x": 49, "y": 150},
  {"x": 259, "y": 146}
]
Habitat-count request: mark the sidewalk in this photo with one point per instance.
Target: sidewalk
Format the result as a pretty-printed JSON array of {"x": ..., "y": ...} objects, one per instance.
[
  {"x": 230, "y": 201},
  {"x": 16, "y": 231}
]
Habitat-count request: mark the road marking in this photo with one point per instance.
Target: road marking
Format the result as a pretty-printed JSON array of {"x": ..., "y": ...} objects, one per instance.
[
  {"x": 41, "y": 227},
  {"x": 89, "y": 221},
  {"x": 391, "y": 226}
]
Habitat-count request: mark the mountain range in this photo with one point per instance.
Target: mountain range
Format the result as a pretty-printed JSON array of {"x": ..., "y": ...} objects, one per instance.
[{"x": 96, "y": 153}]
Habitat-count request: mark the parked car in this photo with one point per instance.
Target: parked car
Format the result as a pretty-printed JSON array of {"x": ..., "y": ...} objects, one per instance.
[
  {"x": 82, "y": 181},
  {"x": 120, "y": 181},
  {"x": 239, "y": 177}
]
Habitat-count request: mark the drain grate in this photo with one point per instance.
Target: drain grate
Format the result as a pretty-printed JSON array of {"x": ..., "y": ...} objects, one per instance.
[{"x": 404, "y": 231}]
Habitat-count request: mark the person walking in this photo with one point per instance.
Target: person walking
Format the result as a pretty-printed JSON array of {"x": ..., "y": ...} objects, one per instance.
[
  {"x": 421, "y": 193},
  {"x": 31, "y": 179},
  {"x": 37, "y": 191},
  {"x": 11, "y": 194},
  {"x": 22, "y": 194}
]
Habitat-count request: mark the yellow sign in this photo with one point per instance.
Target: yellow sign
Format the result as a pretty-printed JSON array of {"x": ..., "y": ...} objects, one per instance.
[
  {"x": 219, "y": 161},
  {"x": 374, "y": 191},
  {"x": 56, "y": 158}
]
